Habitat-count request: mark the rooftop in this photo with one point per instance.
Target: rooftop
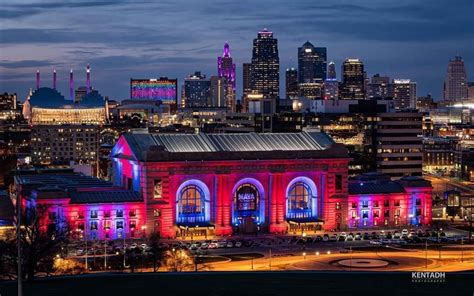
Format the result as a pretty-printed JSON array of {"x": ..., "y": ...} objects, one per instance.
[
  {"x": 149, "y": 147},
  {"x": 106, "y": 196}
]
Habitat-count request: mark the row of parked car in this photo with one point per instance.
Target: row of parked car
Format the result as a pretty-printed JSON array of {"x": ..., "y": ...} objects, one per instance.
[{"x": 405, "y": 235}]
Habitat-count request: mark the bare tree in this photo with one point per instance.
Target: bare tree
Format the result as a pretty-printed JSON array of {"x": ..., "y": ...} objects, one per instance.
[
  {"x": 178, "y": 260},
  {"x": 40, "y": 244}
]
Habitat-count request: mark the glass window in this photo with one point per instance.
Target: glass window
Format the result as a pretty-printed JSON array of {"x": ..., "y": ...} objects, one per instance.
[
  {"x": 338, "y": 205},
  {"x": 157, "y": 188},
  {"x": 397, "y": 203},
  {"x": 94, "y": 214},
  {"x": 191, "y": 200},
  {"x": 338, "y": 182},
  {"x": 156, "y": 213},
  {"x": 354, "y": 205},
  {"x": 119, "y": 213},
  {"x": 119, "y": 225},
  {"x": 298, "y": 196},
  {"x": 94, "y": 225},
  {"x": 386, "y": 203}
]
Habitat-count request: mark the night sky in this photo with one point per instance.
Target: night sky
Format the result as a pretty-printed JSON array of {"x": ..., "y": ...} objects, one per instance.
[{"x": 121, "y": 39}]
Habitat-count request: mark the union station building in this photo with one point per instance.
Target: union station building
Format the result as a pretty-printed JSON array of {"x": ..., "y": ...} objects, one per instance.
[{"x": 224, "y": 184}]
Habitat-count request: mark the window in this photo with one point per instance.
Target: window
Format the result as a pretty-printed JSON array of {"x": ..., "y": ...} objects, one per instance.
[
  {"x": 376, "y": 204},
  {"x": 365, "y": 203},
  {"x": 397, "y": 203},
  {"x": 386, "y": 203},
  {"x": 418, "y": 212},
  {"x": 119, "y": 225},
  {"x": 132, "y": 213},
  {"x": 107, "y": 224},
  {"x": 298, "y": 196},
  {"x": 386, "y": 214},
  {"x": 52, "y": 215},
  {"x": 338, "y": 182},
  {"x": 365, "y": 214},
  {"x": 157, "y": 188},
  {"x": 156, "y": 213},
  {"x": 354, "y": 205},
  {"x": 418, "y": 202},
  {"x": 106, "y": 214},
  {"x": 354, "y": 214},
  {"x": 191, "y": 200},
  {"x": 133, "y": 224},
  {"x": 94, "y": 225},
  {"x": 338, "y": 205},
  {"x": 94, "y": 214},
  {"x": 397, "y": 213},
  {"x": 376, "y": 214},
  {"x": 80, "y": 215},
  {"x": 119, "y": 213}
]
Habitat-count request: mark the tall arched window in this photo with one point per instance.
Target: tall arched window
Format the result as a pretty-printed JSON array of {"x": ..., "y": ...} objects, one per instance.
[
  {"x": 191, "y": 205},
  {"x": 298, "y": 196},
  {"x": 301, "y": 201}
]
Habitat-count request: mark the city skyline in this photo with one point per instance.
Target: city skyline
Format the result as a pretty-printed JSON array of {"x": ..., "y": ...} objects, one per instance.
[{"x": 415, "y": 42}]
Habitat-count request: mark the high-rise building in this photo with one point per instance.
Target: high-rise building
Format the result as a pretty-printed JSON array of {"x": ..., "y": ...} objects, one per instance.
[
  {"x": 380, "y": 87},
  {"x": 291, "y": 83},
  {"x": 197, "y": 90},
  {"x": 246, "y": 84},
  {"x": 332, "y": 71},
  {"x": 218, "y": 91},
  {"x": 265, "y": 68},
  {"x": 399, "y": 145},
  {"x": 311, "y": 63},
  {"x": 455, "y": 84},
  {"x": 331, "y": 85},
  {"x": 225, "y": 66},
  {"x": 404, "y": 94},
  {"x": 162, "y": 89},
  {"x": 353, "y": 80}
]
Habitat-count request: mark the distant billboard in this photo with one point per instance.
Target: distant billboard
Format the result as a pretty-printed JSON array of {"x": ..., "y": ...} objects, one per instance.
[{"x": 162, "y": 89}]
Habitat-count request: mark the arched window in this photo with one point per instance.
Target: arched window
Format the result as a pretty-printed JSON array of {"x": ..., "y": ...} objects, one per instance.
[
  {"x": 301, "y": 201},
  {"x": 298, "y": 196},
  {"x": 192, "y": 203},
  {"x": 191, "y": 200}
]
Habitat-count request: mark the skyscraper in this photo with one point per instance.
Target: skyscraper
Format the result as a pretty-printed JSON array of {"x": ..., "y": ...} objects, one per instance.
[
  {"x": 197, "y": 90},
  {"x": 404, "y": 94},
  {"x": 455, "y": 84},
  {"x": 353, "y": 76},
  {"x": 332, "y": 70},
  {"x": 311, "y": 63},
  {"x": 226, "y": 70},
  {"x": 219, "y": 88},
  {"x": 225, "y": 66},
  {"x": 291, "y": 83},
  {"x": 265, "y": 67},
  {"x": 331, "y": 85}
]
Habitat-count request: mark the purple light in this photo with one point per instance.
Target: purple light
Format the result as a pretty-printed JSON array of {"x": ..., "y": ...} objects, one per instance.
[
  {"x": 88, "y": 78},
  {"x": 54, "y": 79},
  {"x": 71, "y": 85},
  {"x": 37, "y": 79},
  {"x": 225, "y": 66}
]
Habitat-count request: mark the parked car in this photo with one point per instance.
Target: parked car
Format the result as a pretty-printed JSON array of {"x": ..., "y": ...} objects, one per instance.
[
  {"x": 325, "y": 238},
  {"x": 222, "y": 244},
  {"x": 213, "y": 246},
  {"x": 230, "y": 245},
  {"x": 405, "y": 232},
  {"x": 358, "y": 236},
  {"x": 238, "y": 244},
  {"x": 333, "y": 238},
  {"x": 366, "y": 236},
  {"x": 318, "y": 238},
  {"x": 204, "y": 246},
  {"x": 375, "y": 242}
]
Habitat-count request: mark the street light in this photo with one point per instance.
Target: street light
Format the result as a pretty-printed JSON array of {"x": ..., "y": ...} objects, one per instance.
[{"x": 304, "y": 255}]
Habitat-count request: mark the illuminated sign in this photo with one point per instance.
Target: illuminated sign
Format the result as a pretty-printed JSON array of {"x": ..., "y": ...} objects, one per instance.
[
  {"x": 162, "y": 89},
  {"x": 307, "y": 50},
  {"x": 247, "y": 197}
]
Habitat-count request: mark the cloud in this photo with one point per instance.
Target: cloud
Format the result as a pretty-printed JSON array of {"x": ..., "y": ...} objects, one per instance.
[{"x": 25, "y": 64}]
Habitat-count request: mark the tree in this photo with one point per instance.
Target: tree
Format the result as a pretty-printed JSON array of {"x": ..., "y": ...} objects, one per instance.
[
  {"x": 40, "y": 245},
  {"x": 156, "y": 251},
  {"x": 178, "y": 260}
]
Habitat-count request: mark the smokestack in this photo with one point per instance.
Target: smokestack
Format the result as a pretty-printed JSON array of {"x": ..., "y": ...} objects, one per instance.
[
  {"x": 54, "y": 78},
  {"x": 37, "y": 79},
  {"x": 88, "y": 78},
  {"x": 71, "y": 85}
]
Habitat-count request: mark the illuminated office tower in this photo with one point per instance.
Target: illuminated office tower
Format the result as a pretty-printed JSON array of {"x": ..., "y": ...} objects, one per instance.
[
  {"x": 226, "y": 69},
  {"x": 265, "y": 67},
  {"x": 225, "y": 66},
  {"x": 380, "y": 87},
  {"x": 404, "y": 94},
  {"x": 455, "y": 84},
  {"x": 197, "y": 90},
  {"x": 311, "y": 63},
  {"x": 291, "y": 83},
  {"x": 331, "y": 85},
  {"x": 353, "y": 80}
]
